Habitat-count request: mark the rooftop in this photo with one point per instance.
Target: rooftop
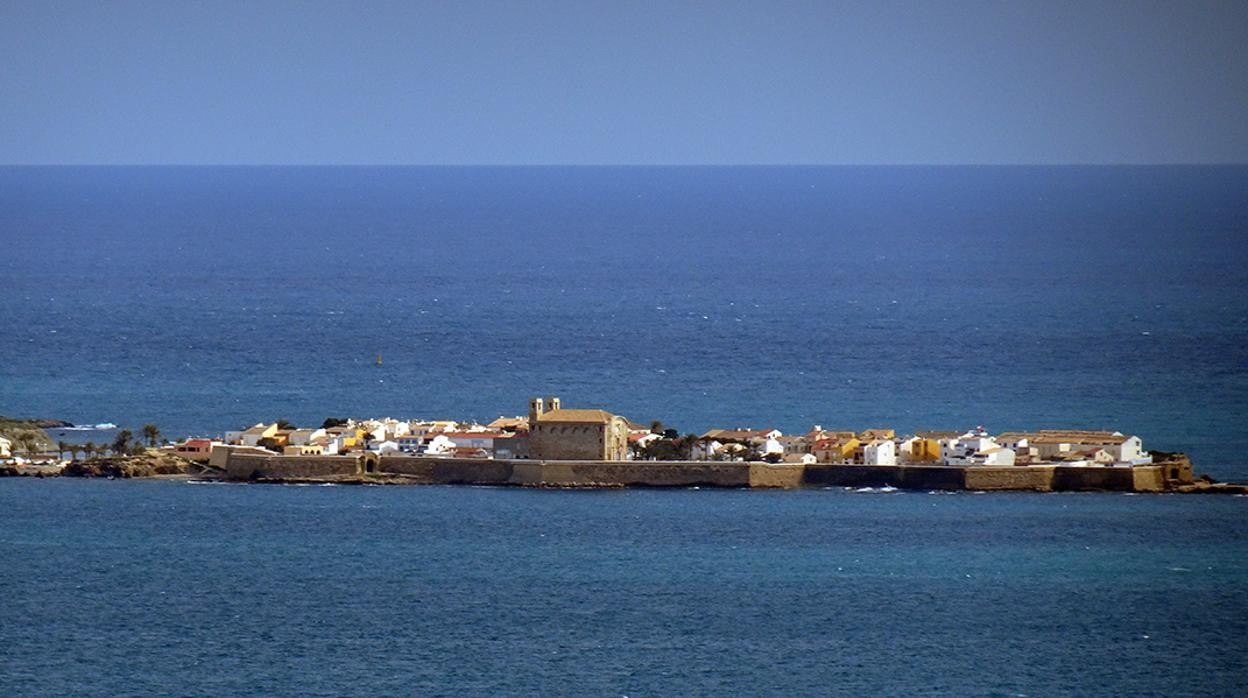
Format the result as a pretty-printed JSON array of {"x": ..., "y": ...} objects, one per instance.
[{"x": 569, "y": 416}]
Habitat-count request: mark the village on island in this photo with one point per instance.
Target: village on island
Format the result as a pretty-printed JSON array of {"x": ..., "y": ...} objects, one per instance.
[
  {"x": 559, "y": 446},
  {"x": 565, "y": 447}
]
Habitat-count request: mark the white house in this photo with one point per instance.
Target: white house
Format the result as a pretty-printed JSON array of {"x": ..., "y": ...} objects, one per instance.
[
  {"x": 410, "y": 443},
  {"x": 385, "y": 447},
  {"x": 771, "y": 447},
  {"x": 303, "y": 437},
  {"x": 440, "y": 446},
  {"x": 6, "y": 448},
  {"x": 330, "y": 445},
  {"x": 251, "y": 437},
  {"x": 472, "y": 439},
  {"x": 975, "y": 447},
  {"x": 880, "y": 452},
  {"x": 1066, "y": 445}
]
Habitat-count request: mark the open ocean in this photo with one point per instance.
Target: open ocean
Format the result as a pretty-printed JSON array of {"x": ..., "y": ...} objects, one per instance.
[
  {"x": 206, "y": 299},
  {"x": 169, "y": 588}
]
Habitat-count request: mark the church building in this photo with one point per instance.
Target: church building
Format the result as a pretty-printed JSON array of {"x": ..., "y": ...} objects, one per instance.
[{"x": 566, "y": 434}]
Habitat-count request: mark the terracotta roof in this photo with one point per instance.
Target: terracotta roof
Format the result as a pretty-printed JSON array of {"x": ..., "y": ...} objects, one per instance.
[{"x": 577, "y": 416}]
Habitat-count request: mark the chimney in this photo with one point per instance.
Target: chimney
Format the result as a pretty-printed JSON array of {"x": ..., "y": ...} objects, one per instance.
[{"x": 554, "y": 403}]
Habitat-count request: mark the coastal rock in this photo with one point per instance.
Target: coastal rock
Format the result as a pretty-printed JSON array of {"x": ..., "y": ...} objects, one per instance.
[
  {"x": 148, "y": 464},
  {"x": 17, "y": 430}
]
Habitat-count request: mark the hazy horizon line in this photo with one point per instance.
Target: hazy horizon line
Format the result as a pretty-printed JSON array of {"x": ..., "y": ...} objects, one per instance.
[{"x": 617, "y": 165}]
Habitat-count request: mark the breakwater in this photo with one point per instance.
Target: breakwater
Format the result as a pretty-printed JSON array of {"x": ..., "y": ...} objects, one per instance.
[{"x": 241, "y": 466}]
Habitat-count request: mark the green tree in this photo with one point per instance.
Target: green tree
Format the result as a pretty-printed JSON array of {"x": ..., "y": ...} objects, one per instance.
[
  {"x": 89, "y": 449},
  {"x": 331, "y": 422},
  {"x": 62, "y": 447},
  {"x": 151, "y": 433},
  {"x": 283, "y": 425},
  {"x": 686, "y": 445},
  {"x": 270, "y": 443},
  {"x": 121, "y": 443},
  {"x": 29, "y": 443},
  {"x": 656, "y": 427}
]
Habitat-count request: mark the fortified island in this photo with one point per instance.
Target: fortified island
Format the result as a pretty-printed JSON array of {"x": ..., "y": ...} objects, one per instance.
[{"x": 554, "y": 446}]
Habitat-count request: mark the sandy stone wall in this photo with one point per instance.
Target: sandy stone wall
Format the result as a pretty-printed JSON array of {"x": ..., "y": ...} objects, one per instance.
[
  {"x": 1076, "y": 478},
  {"x": 252, "y": 467},
  {"x": 450, "y": 471},
  {"x": 782, "y": 475},
  {"x": 660, "y": 474},
  {"x": 569, "y": 473},
  {"x": 579, "y": 441},
  {"x": 923, "y": 477},
  {"x": 1009, "y": 478},
  {"x": 591, "y": 473},
  {"x": 1149, "y": 478}
]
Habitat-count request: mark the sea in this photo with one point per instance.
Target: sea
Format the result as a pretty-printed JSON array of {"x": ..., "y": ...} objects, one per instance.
[
  {"x": 162, "y": 588},
  {"x": 207, "y": 299}
]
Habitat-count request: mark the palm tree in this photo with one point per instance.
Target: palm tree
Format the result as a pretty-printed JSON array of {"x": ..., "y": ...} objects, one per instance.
[
  {"x": 62, "y": 447},
  {"x": 29, "y": 442},
  {"x": 121, "y": 444},
  {"x": 151, "y": 433},
  {"x": 89, "y": 449}
]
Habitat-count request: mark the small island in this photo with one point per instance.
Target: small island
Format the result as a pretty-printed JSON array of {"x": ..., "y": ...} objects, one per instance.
[{"x": 554, "y": 446}]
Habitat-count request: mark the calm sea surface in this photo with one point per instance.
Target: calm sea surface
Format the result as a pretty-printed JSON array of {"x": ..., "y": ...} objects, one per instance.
[
  {"x": 205, "y": 299},
  {"x": 167, "y": 588}
]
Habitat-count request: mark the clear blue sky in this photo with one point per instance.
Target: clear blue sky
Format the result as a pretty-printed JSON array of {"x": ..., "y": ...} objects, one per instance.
[{"x": 768, "y": 81}]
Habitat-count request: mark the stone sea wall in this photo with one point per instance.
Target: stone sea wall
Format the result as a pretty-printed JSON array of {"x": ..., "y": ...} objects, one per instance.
[
  {"x": 532, "y": 473},
  {"x": 256, "y": 467}
]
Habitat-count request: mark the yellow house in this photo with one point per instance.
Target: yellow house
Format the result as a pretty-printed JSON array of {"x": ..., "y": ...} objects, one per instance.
[
  {"x": 304, "y": 450},
  {"x": 252, "y": 436},
  {"x": 836, "y": 449},
  {"x": 925, "y": 450},
  {"x": 924, "y": 447},
  {"x": 350, "y": 435}
]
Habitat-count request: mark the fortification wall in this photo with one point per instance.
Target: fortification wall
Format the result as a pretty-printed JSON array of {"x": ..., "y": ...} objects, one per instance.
[
  {"x": 582, "y": 473},
  {"x": 449, "y": 471},
  {"x": 629, "y": 474},
  {"x": 1009, "y": 477},
  {"x": 778, "y": 475},
  {"x": 1076, "y": 478},
  {"x": 916, "y": 477},
  {"x": 251, "y": 467},
  {"x": 1151, "y": 478},
  {"x": 649, "y": 474},
  {"x": 586, "y": 473}
]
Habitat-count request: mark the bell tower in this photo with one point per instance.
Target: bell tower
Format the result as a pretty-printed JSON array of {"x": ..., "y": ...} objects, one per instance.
[{"x": 536, "y": 410}]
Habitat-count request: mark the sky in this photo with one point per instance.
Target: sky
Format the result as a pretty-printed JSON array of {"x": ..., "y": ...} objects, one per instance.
[{"x": 666, "y": 82}]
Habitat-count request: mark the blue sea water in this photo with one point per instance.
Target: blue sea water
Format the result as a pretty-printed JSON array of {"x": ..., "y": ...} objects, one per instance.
[
  {"x": 206, "y": 299},
  {"x": 169, "y": 588}
]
